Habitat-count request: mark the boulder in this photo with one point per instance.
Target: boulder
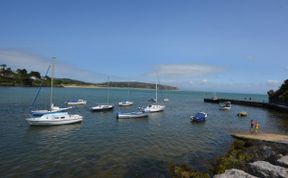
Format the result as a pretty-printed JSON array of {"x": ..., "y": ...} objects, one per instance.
[
  {"x": 266, "y": 152},
  {"x": 265, "y": 169},
  {"x": 283, "y": 161},
  {"x": 232, "y": 173}
]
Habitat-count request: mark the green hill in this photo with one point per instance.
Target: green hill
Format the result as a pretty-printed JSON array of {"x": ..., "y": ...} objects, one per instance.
[
  {"x": 137, "y": 85},
  {"x": 21, "y": 77}
]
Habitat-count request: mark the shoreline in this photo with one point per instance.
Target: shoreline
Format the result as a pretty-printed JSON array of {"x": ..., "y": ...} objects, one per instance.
[
  {"x": 80, "y": 86},
  {"x": 246, "y": 157}
]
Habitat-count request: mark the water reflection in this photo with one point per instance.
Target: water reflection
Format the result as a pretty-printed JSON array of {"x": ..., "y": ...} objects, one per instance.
[{"x": 53, "y": 131}]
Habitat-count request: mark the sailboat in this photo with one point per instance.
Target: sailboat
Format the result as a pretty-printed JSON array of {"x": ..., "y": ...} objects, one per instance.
[
  {"x": 126, "y": 102},
  {"x": 104, "y": 107},
  {"x": 52, "y": 116},
  {"x": 154, "y": 107},
  {"x": 59, "y": 118},
  {"x": 53, "y": 109}
]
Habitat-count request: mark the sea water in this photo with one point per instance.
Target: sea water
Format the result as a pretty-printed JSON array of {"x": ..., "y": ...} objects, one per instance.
[{"x": 102, "y": 146}]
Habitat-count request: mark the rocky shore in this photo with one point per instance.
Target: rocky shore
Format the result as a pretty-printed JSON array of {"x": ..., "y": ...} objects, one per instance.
[
  {"x": 246, "y": 158},
  {"x": 253, "y": 158}
]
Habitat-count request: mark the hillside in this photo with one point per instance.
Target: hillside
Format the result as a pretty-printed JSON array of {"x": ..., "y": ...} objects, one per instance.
[
  {"x": 279, "y": 96},
  {"x": 21, "y": 77},
  {"x": 137, "y": 85}
]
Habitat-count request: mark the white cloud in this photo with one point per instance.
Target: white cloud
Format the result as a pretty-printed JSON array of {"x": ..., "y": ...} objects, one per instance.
[
  {"x": 188, "y": 70},
  {"x": 21, "y": 59}
]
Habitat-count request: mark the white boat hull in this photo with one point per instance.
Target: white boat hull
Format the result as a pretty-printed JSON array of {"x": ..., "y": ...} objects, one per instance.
[
  {"x": 55, "y": 119},
  {"x": 102, "y": 107},
  {"x": 131, "y": 115},
  {"x": 225, "y": 108},
  {"x": 79, "y": 102},
  {"x": 126, "y": 103},
  {"x": 154, "y": 108}
]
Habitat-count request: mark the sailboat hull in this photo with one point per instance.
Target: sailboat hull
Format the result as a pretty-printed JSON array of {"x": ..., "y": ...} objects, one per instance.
[
  {"x": 103, "y": 107},
  {"x": 154, "y": 108},
  {"x": 125, "y": 103},
  {"x": 131, "y": 115},
  {"x": 54, "y": 119}
]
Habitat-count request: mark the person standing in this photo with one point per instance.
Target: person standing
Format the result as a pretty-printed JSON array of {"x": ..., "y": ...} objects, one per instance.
[
  {"x": 251, "y": 126},
  {"x": 257, "y": 125}
]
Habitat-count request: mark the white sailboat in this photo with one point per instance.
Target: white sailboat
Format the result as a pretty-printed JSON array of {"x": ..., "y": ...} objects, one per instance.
[
  {"x": 155, "y": 107},
  {"x": 53, "y": 109},
  {"x": 104, "y": 107},
  {"x": 126, "y": 102},
  {"x": 60, "y": 118},
  {"x": 53, "y": 116}
]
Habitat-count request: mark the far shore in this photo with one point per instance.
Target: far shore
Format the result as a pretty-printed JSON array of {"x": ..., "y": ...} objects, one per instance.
[
  {"x": 81, "y": 86},
  {"x": 94, "y": 86}
]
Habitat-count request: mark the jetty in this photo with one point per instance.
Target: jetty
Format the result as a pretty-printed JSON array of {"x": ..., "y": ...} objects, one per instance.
[
  {"x": 276, "y": 107},
  {"x": 268, "y": 137}
]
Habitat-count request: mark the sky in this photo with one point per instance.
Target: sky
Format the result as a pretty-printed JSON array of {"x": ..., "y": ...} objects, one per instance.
[{"x": 209, "y": 45}]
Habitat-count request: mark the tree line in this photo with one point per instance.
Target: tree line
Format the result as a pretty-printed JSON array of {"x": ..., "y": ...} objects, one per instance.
[
  {"x": 20, "y": 77},
  {"x": 279, "y": 96}
]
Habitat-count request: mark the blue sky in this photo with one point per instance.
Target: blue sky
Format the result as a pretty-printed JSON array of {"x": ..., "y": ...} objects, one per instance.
[{"x": 210, "y": 45}]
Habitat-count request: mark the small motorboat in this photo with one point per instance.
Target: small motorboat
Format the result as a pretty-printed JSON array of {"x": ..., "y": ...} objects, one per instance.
[
  {"x": 102, "y": 107},
  {"x": 126, "y": 103},
  {"x": 225, "y": 106},
  {"x": 77, "y": 102},
  {"x": 131, "y": 115},
  {"x": 55, "y": 119},
  {"x": 199, "y": 117},
  {"x": 242, "y": 114}
]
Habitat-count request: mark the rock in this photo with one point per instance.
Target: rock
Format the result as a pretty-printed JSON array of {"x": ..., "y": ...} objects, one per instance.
[
  {"x": 283, "y": 161},
  {"x": 265, "y": 169},
  {"x": 267, "y": 152},
  {"x": 231, "y": 173}
]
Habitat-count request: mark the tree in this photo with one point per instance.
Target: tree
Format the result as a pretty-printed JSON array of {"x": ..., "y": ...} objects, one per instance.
[
  {"x": 22, "y": 71},
  {"x": 3, "y": 66},
  {"x": 35, "y": 74}
]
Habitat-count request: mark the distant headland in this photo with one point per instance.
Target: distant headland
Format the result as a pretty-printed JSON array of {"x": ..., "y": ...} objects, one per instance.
[{"x": 22, "y": 78}]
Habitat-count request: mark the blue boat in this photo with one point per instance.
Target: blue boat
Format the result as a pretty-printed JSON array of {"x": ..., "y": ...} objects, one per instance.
[{"x": 199, "y": 117}]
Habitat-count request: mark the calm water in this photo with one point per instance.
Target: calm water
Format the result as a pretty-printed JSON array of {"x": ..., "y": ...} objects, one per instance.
[{"x": 102, "y": 146}]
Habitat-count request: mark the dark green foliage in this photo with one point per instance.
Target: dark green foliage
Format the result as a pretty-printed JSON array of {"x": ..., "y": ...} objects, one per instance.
[
  {"x": 137, "y": 85},
  {"x": 35, "y": 74},
  {"x": 281, "y": 95},
  {"x": 22, "y": 78},
  {"x": 235, "y": 158}
]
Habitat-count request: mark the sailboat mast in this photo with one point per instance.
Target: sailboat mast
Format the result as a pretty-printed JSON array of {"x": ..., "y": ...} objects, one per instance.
[
  {"x": 51, "y": 88},
  {"x": 108, "y": 94},
  {"x": 128, "y": 91},
  {"x": 156, "y": 93}
]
